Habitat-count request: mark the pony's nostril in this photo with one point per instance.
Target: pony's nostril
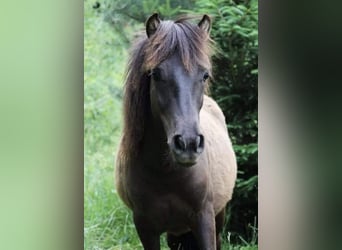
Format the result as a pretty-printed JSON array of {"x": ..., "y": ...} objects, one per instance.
[
  {"x": 199, "y": 143},
  {"x": 179, "y": 142},
  {"x": 194, "y": 144}
]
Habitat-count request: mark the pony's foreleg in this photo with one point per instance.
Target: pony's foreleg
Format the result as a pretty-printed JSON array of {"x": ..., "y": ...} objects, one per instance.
[
  {"x": 204, "y": 228},
  {"x": 219, "y": 223},
  {"x": 149, "y": 237}
]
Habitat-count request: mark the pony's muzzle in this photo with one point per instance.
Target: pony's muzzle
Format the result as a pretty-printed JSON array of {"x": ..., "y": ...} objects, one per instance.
[{"x": 186, "y": 149}]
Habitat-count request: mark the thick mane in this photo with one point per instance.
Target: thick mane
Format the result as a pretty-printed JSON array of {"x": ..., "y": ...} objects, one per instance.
[{"x": 194, "y": 47}]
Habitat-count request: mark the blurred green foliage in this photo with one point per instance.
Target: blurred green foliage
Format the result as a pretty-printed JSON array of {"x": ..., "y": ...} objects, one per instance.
[{"x": 234, "y": 87}]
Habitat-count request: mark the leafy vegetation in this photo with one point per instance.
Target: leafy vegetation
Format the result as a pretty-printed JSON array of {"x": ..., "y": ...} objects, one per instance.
[{"x": 108, "y": 28}]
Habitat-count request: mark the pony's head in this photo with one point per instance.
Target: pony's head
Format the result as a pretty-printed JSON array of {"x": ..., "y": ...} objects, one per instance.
[{"x": 177, "y": 61}]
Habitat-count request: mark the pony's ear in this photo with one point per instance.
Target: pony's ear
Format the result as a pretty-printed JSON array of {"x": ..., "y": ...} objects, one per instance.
[
  {"x": 205, "y": 23},
  {"x": 152, "y": 24}
]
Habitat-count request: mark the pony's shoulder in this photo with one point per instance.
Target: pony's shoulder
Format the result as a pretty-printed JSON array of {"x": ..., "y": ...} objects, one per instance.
[{"x": 211, "y": 107}]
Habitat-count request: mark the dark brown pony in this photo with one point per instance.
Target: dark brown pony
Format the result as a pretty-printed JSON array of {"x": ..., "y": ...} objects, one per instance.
[{"x": 175, "y": 167}]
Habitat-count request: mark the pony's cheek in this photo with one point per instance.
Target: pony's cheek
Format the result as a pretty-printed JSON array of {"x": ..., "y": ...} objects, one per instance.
[
  {"x": 158, "y": 99},
  {"x": 163, "y": 104},
  {"x": 166, "y": 124},
  {"x": 155, "y": 107}
]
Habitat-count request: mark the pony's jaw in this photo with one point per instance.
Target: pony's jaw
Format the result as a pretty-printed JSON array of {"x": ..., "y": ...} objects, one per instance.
[{"x": 185, "y": 160}]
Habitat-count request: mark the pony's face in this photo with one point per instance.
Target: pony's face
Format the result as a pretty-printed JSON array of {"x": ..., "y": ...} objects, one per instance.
[
  {"x": 176, "y": 89},
  {"x": 176, "y": 99}
]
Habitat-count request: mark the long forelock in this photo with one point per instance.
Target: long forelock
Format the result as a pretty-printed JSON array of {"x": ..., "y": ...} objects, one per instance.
[{"x": 192, "y": 44}]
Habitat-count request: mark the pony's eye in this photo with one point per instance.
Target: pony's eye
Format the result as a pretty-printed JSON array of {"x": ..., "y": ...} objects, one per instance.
[
  {"x": 156, "y": 74},
  {"x": 205, "y": 76}
]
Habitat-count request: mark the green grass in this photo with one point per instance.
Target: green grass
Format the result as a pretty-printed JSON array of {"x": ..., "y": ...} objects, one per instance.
[{"x": 108, "y": 223}]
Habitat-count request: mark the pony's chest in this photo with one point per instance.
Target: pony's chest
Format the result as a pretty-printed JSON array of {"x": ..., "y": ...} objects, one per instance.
[
  {"x": 169, "y": 212},
  {"x": 169, "y": 198}
]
